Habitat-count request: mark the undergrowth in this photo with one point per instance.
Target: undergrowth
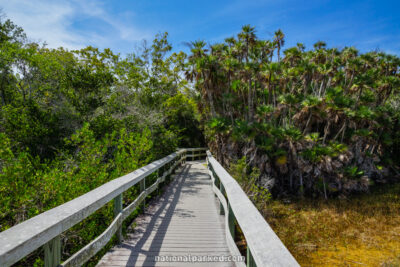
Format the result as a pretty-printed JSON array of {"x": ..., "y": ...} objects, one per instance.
[
  {"x": 363, "y": 230},
  {"x": 360, "y": 230}
]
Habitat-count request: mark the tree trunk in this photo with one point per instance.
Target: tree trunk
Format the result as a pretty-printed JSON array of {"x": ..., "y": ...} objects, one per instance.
[{"x": 249, "y": 102}]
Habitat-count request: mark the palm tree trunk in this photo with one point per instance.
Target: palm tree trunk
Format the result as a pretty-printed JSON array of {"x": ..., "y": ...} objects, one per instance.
[
  {"x": 211, "y": 101},
  {"x": 269, "y": 89},
  {"x": 250, "y": 101}
]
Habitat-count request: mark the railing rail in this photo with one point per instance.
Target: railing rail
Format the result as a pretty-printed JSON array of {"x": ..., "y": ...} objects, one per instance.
[
  {"x": 264, "y": 248},
  {"x": 45, "y": 229}
]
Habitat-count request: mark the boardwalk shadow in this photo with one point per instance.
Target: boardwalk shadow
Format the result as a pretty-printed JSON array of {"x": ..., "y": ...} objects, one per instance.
[{"x": 166, "y": 204}]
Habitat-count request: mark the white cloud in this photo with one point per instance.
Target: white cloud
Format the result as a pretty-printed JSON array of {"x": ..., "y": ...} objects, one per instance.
[{"x": 52, "y": 22}]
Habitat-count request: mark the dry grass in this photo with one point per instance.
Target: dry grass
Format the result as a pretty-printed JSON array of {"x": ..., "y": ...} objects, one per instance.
[{"x": 362, "y": 230}]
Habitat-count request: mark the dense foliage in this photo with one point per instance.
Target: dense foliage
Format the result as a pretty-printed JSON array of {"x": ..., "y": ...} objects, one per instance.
[
  {"x": 72, "y": 120},
  {"x": 321, "y": 121},
  {"x": 318, "y": 122}
]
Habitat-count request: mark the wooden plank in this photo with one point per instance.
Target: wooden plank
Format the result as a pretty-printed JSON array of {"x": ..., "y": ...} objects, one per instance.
[
  {"x": 128, "y": 253},
  {"x": 188, "y": 234},
  {"x": 166, "y": 264},
  {"x": 115, "y": 251},
  {"x": 144, "y": 255},
  {"x": 141, "y": 258},
  {"x": 186, "y": 246},
  {"x": 265, "y": 246},
  {"x": 189, "y": 241},
  {"x": 184, "y": 239}
]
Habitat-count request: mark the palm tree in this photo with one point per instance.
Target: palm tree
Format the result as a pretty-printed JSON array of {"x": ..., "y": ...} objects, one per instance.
[
  {"x": 301, "y": 46},
  {"x": 323, "y": 92},
  {"x": 247, "y": 35},
  {"x": 279, "y": 42},
  {"x": 199, "y": 69}
]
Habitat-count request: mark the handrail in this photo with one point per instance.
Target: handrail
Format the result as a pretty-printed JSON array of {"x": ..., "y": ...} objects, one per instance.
[
  {"x": 45, "y": 228},
  {"x": 264, "y": 248}
]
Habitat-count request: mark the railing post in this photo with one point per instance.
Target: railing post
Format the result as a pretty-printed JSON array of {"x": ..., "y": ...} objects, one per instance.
[
  {"x": 117, "y": 211},
  {"x": 166, "y": 170},
  {"x": 52, "y": 252},
  {"x": 143, "y": 188},
  {"x": 221, "y": 207},
  {"x": 231, "y": 221},
  {"x": 169, "y": 175},
  {"x": 158, "y": 183},
  {"x": 215, "y": 178},
  {"x": 250, "y": 259}
]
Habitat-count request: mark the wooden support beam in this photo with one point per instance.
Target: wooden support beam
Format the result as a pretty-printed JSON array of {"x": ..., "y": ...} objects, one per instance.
[
  {"x": 117, "y": 211},
  {"x": 250, "y": 259},
  {"x": 142, "y": 188},
  {"x": 52, "y": 252},
  {"x": 221, "y": 207},
  {"x": 231, "y": 220}
]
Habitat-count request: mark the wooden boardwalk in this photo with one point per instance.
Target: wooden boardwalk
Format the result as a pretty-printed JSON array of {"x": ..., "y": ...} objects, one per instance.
[
  {"x": 184, "y": 221},
  {"x": 181, "y": 228}
]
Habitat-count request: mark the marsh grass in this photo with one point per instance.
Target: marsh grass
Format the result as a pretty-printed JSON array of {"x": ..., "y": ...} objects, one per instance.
[{"x": 362, "y": 230}]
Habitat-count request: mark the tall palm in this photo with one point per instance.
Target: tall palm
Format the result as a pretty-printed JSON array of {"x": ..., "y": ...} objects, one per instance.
[
  {"x": 279, "y": 40},
  {"x": 248, "y": 37}
]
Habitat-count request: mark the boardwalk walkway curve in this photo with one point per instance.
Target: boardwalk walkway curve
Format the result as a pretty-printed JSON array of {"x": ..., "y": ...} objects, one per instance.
[{"x": 185, "y": 221}]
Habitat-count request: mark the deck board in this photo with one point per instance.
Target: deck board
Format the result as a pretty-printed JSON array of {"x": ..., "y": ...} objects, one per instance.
[{"x": 184, "y": 221}]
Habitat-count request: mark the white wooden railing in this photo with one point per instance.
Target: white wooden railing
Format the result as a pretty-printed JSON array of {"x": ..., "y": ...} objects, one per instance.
[{"x": 264, "y": 248}]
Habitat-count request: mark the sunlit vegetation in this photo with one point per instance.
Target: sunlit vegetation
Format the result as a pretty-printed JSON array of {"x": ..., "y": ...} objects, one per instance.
[
  {"x": 317, "y": 122},
  {"x": 72, "y": 120},
  {"x": 362, "y": 230},
  {"x": 305, "y": 132},
  {"x": 311, "y": 135}
]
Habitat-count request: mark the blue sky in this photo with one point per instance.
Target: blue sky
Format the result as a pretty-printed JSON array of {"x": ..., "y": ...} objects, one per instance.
[{"x": 121, "y": 25}]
